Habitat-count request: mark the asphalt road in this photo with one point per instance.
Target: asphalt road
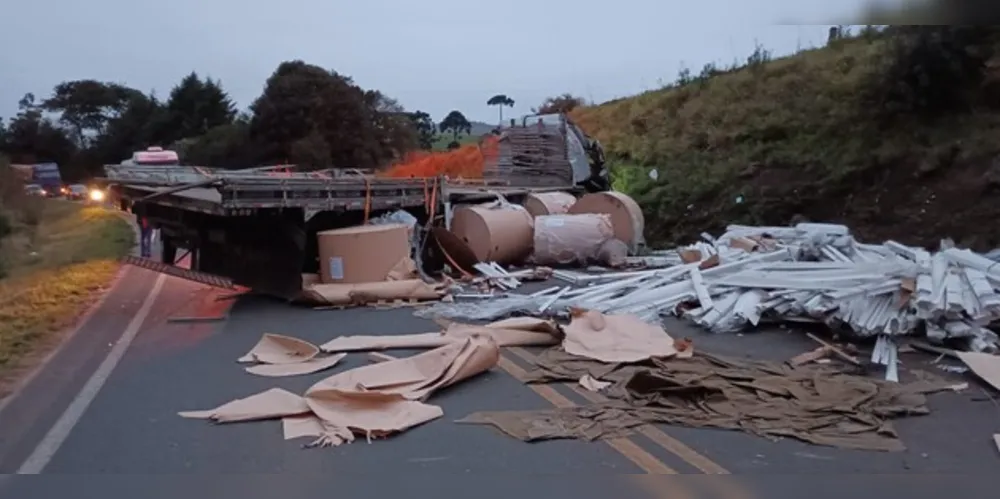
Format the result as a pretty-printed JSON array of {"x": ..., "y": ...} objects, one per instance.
[{"x": 129, "y": 437}]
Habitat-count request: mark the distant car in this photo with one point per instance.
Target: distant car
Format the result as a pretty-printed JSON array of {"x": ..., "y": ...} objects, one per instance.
[
  {"x": 35, "y": 190},
  {"x": 77, "y": 192}
]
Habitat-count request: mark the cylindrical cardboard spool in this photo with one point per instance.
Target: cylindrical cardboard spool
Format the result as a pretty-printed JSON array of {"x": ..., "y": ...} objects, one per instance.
[
  {"x": 626, "y": 216},
  {"x": 367, "y": 253},
  {"x": 501, "y": 234},
  {"x": 548, "y": 203},
  {"x": 569, "y": 239}
]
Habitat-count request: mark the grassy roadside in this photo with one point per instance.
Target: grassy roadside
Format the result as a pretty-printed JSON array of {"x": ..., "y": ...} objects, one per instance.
[{"x": 58, "y": 257}]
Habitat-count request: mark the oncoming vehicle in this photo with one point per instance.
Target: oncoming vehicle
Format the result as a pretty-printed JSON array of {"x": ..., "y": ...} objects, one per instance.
[
  {"x": 76, "y": 192},
  {"x": 35, "y": 190}
]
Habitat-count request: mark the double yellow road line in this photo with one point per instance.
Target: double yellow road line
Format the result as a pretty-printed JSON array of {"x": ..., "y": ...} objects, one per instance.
[{"x": 646, "y": 461}]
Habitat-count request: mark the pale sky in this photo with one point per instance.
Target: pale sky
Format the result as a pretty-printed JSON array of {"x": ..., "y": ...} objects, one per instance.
[{"x": 431, "y": 55}]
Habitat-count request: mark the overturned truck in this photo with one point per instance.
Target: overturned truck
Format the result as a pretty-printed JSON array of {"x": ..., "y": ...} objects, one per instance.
[{"x": 257, "y": 227}]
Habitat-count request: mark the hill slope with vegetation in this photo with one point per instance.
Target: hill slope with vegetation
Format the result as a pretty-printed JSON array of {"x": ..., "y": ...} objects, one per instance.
[{"x": 894, "y": 132}]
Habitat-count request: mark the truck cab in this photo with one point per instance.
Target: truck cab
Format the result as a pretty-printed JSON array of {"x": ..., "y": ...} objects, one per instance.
[{"x": 153, "y": 156}]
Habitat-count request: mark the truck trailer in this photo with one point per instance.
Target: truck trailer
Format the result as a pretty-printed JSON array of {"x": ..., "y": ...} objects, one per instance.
[{"x": 255, "y": 229}]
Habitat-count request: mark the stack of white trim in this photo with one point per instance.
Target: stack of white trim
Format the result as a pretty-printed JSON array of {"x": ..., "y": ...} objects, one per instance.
[{"x": 814, "y": 272}]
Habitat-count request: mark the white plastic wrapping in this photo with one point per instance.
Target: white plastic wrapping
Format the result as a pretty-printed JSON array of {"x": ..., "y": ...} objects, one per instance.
[{"x": 571, "y": 239}]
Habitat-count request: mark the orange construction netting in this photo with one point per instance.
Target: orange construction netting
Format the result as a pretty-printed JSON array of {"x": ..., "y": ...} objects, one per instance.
[{"x": 464, "y": 162}]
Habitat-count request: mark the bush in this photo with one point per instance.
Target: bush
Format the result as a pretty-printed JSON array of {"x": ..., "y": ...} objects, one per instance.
[{"x": 926, "y": 71}]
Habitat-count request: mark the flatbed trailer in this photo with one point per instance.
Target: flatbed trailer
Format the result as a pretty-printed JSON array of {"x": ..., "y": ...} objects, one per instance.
[{"x": 258, "y": 229}]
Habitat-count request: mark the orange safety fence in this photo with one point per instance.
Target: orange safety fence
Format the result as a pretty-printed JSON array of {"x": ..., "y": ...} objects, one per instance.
[{"x": 465, "y": 162}]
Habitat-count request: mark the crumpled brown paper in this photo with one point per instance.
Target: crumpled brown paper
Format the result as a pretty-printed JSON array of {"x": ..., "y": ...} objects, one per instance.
[
  {"x": 371, "y": 292},
  {"x": 615, "y": 338},
  {"x": 279, "y": 349},
  {"x": 374, "y": 400},
  {"x": 517, "y": 331}
]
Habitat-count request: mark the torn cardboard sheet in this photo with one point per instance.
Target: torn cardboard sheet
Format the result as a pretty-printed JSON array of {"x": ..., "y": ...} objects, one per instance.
[
  {"x": 615, "y": 338},
  {"x": 986, "y": 366},
  {"x": 418, "y": 376},
  {"x": 279, "y": 349},
  {"x": 815, "y": 404},
  {"x": 310, "y": 366},
  {"x": 371, "y": 292},
  {"x": 343, "y": 414},
  {"x": 517, "y": 331},
  {"x": 374, "y": 400},
  {"x": 271, "y": 404}
]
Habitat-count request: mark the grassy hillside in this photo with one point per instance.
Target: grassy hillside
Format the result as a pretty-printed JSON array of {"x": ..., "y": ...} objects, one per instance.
[{"x": 793, "y": 136}]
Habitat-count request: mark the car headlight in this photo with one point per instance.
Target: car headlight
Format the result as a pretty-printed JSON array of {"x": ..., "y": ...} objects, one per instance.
[{"x": 96, "y": 195}]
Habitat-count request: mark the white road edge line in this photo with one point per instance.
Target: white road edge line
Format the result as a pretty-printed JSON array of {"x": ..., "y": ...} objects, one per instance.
[{"x": 57, "y": 435}]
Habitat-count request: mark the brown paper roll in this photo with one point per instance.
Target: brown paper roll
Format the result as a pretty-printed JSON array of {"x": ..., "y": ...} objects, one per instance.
[
  {"x": 548, "y": 203},
  {"x": 501, "y": 235},
  {"x": 367, "y": 253},
  {"x": 626, "y": 216}
]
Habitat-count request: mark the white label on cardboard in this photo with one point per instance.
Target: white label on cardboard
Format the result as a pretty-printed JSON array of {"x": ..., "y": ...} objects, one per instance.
[
  {"x": 554, "y": 222},
  {"x": 336, "y": 267}
]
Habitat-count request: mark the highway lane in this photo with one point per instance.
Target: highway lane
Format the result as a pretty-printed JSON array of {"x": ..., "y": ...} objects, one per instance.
[{"x": 132, "y": 427}]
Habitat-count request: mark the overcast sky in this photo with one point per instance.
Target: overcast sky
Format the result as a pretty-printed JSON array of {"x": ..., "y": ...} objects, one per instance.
[{"x": 432, "y": 55}]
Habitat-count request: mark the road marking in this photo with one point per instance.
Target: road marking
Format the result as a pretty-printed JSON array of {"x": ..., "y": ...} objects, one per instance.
[
  {"x": 57, "y": 435},
  {"x": 70, "y": 334},
  {"x": 670, "y": 444},
  {"x": 648, "y": 462}
]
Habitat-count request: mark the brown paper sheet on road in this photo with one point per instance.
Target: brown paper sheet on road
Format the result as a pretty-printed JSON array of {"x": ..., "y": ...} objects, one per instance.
[
  {"x": 815, "y": 404},
  {"x": 986, "y": 366},
  {"x": 310, "y": 366},
  {"x": 370, "y": 292},
  {"x": 279, "y": 349},
  {"x": 373, "y": 400},
  {"x": 615, "y": 338},
  {"x": 518, "y": 331}
]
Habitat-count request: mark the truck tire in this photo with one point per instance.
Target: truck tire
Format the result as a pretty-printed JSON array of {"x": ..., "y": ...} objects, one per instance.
[{"x": 168, "y": 250}]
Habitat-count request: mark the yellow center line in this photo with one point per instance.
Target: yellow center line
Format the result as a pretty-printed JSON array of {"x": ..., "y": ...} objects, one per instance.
[
  {"x": 644, "y": 460},
  {"x": 670, "y": 444}
]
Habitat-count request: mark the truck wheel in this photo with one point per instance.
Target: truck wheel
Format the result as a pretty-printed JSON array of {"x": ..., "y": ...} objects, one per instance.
[{"x": 168, "y": 251}]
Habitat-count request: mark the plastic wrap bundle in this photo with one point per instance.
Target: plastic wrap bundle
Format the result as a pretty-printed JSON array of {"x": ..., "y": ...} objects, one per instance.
[
  {"x": 571, "y": 239},
  {"x": 626, "y": 216}
]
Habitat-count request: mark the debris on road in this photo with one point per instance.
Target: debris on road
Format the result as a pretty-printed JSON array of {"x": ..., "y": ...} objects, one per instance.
[
  {"x": 516, "y": 331},
  {"x": 375, "y": 400},
  {"x": 813, "y": 403},
  {"x": 808, "y": 273},
  {"x": 278, "y": 356}
]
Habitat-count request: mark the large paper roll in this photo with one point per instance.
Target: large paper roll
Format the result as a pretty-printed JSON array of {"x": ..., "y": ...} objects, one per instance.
[
  {"x": 626, "y": 216},
  {"x": 501, "y": 234},
  {"x": 548, "y": 203}
]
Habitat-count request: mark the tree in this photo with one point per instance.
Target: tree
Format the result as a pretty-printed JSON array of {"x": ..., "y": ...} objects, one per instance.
[
  {"x": 500, "y": 100},
  {"x": 455, "y": 123},
  {"x": 196, "y": 106},
  {"x": 424, "y": 126},
  {"x": 32, "y": 138},
  {"x": 87, "y": 106},
  {"x": 302, "y": 101},
  {"x": 560, "y": 104}
]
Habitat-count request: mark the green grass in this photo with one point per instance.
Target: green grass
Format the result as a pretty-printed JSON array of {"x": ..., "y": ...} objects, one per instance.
[
  {"x": 55, "y": 269},
  {"x": 789, "y": 137}
]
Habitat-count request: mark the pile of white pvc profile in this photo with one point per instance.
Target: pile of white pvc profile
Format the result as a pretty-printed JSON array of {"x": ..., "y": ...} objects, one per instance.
[{"x": 810, "y": 272}]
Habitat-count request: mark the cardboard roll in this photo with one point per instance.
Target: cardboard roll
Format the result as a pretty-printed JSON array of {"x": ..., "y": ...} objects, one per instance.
[
  {"x": 366, "y": 253},
  {"x": 548, "y": 203},
  {"x": 626, "y": 216},
  {"x": 500, "y": 234}
]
